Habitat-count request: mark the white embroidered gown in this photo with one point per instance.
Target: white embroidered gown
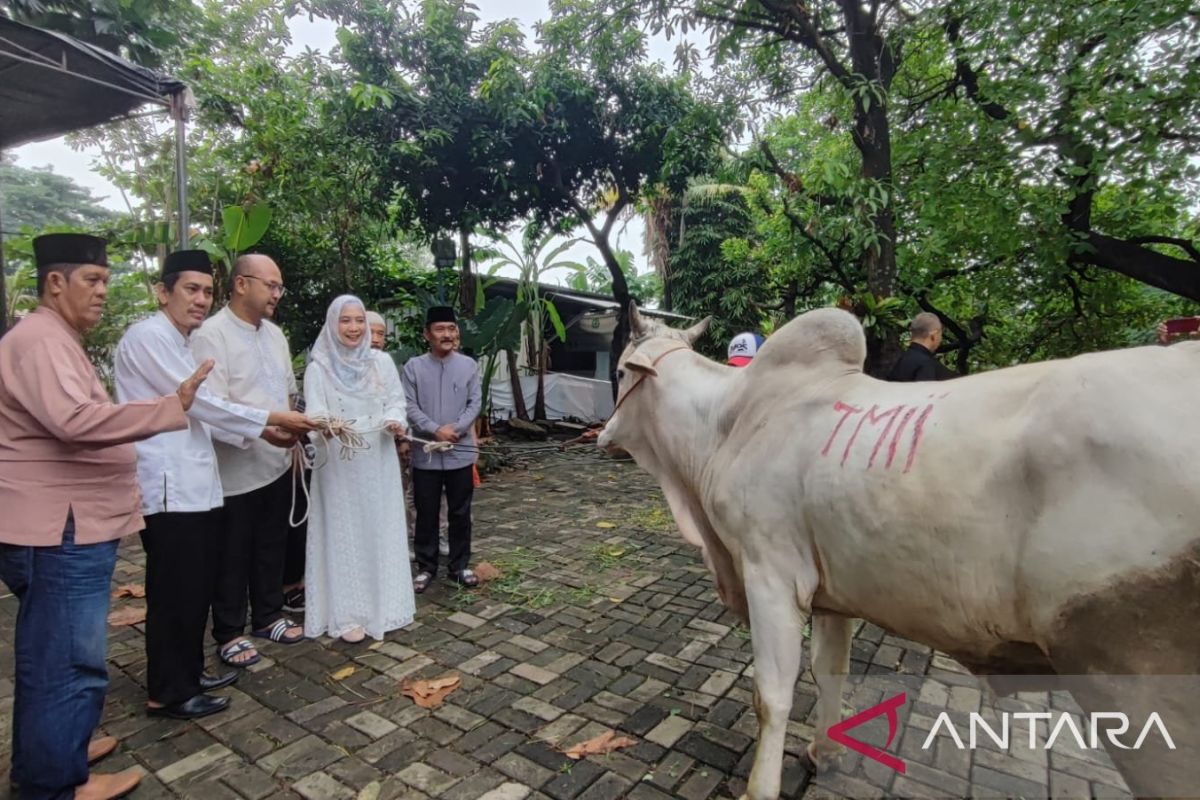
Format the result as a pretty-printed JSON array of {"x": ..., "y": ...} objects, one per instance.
[{"x": 357, "y": 571}]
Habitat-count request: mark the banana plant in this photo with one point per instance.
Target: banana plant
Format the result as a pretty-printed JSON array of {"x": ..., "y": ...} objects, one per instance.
[
  {"x": 495, "y": 328},
  {"x": 242, "y": 227},
  {"x": 532, "y": 262}
]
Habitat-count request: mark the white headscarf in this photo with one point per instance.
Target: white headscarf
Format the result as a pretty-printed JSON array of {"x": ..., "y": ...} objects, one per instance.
[{"x": 352, "y": 369}]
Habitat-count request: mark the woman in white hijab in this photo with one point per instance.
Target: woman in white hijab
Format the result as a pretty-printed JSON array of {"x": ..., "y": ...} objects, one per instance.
[{"x": 356, "y": 577}]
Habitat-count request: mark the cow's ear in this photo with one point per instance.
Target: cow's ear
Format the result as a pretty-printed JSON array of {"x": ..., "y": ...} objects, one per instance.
[
  {"x": 639, "y": 362},
  {"x": 694, "y": 333},
  {"x": 636, "y": 324}
]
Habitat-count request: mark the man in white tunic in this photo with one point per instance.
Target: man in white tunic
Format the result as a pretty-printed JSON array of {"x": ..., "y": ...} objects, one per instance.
[
  {"x": 254, "y": 368},
  {"x": 357, "y": 565},
  {"x": 181, "y": 487}
]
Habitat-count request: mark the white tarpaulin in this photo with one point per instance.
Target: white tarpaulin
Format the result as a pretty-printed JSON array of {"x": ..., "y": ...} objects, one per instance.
[{"x": 584, "y": 399}]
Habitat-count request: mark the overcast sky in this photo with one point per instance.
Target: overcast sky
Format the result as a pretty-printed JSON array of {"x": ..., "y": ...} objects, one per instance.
[{"x": 320, "y": 35}]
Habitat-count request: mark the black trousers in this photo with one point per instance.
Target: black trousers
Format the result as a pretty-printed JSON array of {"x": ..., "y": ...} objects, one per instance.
[
  {"x": 459, "y": 485},
  {"x": 181, "y": 557},
  {"x": 297, "y": 539},
  {"x": 252, "y": 551}
]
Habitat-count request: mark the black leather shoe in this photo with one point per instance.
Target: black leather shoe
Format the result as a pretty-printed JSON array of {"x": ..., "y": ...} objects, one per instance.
[
  {"x": 193, "y": 708},
  {"x": 210, "y": 682}
]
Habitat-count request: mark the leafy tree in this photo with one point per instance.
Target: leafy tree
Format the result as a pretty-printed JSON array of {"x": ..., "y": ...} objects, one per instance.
[
  {"x": 644, "y": 288},
  {"x": 713, "y": 272},
  {"x": 141, "y": 31},
  {"x": 604, "y": 128},
  {"x": 272, "y": 132},
  {"x": 425, "y": 89},
  {"x": 1002, "y": 166},
  {"x": 40, "y": 198}
]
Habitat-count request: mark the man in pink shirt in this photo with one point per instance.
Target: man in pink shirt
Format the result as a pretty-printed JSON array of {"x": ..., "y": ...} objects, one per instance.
[{"x": 68, "y": 487}]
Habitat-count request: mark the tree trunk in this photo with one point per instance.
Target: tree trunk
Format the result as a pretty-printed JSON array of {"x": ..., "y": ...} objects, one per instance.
[
  {"x": 874, "y": 62},
  {"x": 539, "y": 403},
  {"x": 467, "y": 283},
  {"x": 621, "y": 295},
  {"x": 620, "y": 288},
  {"x": 514, "y": 378}
]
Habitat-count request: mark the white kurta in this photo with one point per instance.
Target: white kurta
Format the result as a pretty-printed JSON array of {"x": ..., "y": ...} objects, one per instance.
[
  {"x": 357, "y": 571},
  {"x": 178, "y": 470}
]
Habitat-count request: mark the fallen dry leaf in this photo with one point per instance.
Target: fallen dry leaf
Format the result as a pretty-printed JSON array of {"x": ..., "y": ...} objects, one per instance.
[
  {"x": 342, "y": 674},
  {"x": 599, "y": 745},
  {"x": 431, "y": 693},
  {"x": 129, "y": 615},
  {"x": 486, "y": 571},
  {"x": 129, "y": 590},
  {"x": 606, "y": 524}
]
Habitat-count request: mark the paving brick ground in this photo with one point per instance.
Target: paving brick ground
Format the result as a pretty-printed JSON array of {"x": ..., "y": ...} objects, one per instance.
[{"x": 604, "y": 620}]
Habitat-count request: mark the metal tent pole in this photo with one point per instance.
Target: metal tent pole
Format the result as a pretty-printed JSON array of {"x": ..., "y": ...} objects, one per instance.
[{"x": 181, "y": 175}]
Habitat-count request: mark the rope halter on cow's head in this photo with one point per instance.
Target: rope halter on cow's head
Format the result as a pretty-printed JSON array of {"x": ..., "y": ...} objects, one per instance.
[{"x": 641, "y": 331}]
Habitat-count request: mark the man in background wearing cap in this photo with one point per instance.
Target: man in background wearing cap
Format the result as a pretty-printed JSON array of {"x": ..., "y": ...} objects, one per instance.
[
  {"x": 181, "y": 487},
  {"x": 743, "y": 348},
  {"x": 253, "y": 368},
  {"x": 68, "y": 487},
  {"x": 443, "y": 392}
]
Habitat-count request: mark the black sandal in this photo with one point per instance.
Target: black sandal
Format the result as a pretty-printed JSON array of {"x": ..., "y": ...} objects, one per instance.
[
  {"x": 421, "y": 581},
  {"x": 229, "y": 651},
  {"x": 278, "y": 632},
  {"x": 466, "y": 577}
]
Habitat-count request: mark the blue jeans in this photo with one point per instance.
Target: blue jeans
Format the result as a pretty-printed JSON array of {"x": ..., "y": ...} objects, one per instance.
[{"x": 60, "y": 656}]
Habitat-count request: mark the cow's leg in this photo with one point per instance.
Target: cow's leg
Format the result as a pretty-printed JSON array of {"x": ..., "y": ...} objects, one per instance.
[
  {"x": 831, "y": 661},
  {"x": 776, "y": 633}
]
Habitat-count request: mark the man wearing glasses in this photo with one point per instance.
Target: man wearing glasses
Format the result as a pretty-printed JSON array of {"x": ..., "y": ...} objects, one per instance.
[{"x": 254, "y": 368}]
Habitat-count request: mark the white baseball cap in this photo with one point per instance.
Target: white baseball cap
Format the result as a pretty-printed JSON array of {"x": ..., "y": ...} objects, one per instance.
[{"x": 743, "y": 348}]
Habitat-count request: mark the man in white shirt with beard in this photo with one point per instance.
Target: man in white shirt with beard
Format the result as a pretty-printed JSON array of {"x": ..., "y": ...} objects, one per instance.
[{"x": 181, "y": 488}]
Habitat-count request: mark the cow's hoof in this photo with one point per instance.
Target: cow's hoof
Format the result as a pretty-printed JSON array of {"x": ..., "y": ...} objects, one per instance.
[{"x": 822, "y": 761}]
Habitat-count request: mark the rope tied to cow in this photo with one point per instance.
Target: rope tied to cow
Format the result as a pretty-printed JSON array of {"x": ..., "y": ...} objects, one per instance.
[{"x": 350, "y": 441}]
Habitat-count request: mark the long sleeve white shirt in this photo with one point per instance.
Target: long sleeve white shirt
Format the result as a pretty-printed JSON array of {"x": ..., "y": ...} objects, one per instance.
[
  {"x": 253, "y": 367},
  {"x": 177, "y": 471}
]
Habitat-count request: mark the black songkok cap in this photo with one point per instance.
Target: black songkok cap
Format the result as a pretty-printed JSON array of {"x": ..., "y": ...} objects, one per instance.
[
  {"x": 440, "y": 314},
  {"x": 70, "y": 248},
  {"x": 188, "y": 261}
]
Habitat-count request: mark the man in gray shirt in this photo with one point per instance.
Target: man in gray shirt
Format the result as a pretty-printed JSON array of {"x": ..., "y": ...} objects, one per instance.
[{"x": 442, "y": 388}]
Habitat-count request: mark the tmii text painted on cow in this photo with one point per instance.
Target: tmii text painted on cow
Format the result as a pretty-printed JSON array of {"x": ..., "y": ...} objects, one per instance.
[{"x": 888, "y": 443}]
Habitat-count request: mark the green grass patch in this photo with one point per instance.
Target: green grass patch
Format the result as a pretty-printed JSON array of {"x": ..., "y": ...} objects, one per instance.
[
  {"x": 515, "y": 585},
  {"x": 608, "y": 556},
  {"x": 653, "y": 518}
]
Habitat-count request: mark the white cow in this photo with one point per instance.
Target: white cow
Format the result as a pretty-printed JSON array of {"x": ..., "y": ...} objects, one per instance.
[{"x": 1042, "y": 519}]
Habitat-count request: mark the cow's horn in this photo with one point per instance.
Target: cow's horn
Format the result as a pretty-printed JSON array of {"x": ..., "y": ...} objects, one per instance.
[
  {"x": 696, "y": 331},
  {"x": 636, "y": 325}
]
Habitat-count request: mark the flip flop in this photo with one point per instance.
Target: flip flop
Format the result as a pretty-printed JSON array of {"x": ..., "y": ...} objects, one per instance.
[
  {"x": 229, "y": 650},
  {"x": 278, "y": 632}
]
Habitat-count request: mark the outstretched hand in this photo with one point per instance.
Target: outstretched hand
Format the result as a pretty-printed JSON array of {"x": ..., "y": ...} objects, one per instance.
[{"x": 187, "y": 390}]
